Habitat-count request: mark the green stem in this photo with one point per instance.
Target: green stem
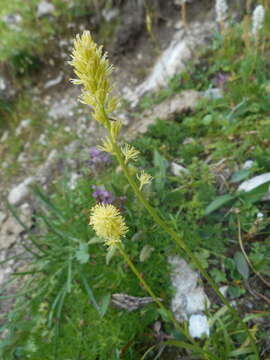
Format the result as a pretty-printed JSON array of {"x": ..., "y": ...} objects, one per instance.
[
  {"x": 146, "y": 286},
  {"x": 180, "y": 242}
]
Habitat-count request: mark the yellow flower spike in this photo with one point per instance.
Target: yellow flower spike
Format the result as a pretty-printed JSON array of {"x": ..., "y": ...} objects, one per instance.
[
  {"x": 129, "y": 152},
  {"x": 106, "y": 146},
  {"x": 108, "y": 223},
  {"x": 115, "y": 129},
  {"x": 144, "y": 179},
  {"x": 93, "y": 70}
]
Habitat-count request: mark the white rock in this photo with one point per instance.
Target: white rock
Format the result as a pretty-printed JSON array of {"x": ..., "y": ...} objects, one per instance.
[
  {"x": 189, "y": 298},
  {"x": 253, "y": 183},
  {"x": 3, "y": 217},
  {"x": 23, "y": 124},
  {"x": 42, "y": 139},
  {"x": 178, "y": 170},
  {"x": 248, "y": 164},
  {"x": 19, "y": 193},
  {"x": 73, "y": 180},
  {"x": 110, "y": 14},
  {"x": 22, "y": 158},
  {"x": 213, "y": 94},
  {"x": 173, "y": 60},
  {"x": 5, "y": 136},
  {"x": 45, "y": 8},
  {"x": 3, "y": 84},
  {"x": 54, "y": 82},
  {"x": 198, "y": 326},
  {"x": 224, "y": 290},
  {"x": 13, "y": 21}
]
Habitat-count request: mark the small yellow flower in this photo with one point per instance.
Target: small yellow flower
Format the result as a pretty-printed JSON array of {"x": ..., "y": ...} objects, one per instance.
[
  {"x": 144, "y": 179},
  {"x": 129, "y": 152},
  {"x": 108, "y": 223},
  {"x": 106, "y": 146}
]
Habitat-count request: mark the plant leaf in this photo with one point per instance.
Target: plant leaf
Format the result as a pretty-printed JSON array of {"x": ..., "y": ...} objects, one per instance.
[
  {"x": 161, "y": 165},
  {"x": 218, "y": 202},
  {"x": 104, "y": 304},
  {"x": 110, "y": 254},
  {"x": 82, "y": 255},
  {"x": 241, "y": 264}
]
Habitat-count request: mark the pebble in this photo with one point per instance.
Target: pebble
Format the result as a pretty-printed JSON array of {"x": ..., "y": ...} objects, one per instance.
[
  {"x": 198, "y": 326},
  {"x": 20, "y": 192}
]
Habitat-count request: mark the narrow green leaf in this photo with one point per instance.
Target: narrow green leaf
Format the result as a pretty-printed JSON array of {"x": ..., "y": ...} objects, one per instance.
[
  {"x": 218, "y": 203},
  {"x": 110, "y": 254},
  {"x": 90, "y": 293},
  {"x": 104, "y": 304}
]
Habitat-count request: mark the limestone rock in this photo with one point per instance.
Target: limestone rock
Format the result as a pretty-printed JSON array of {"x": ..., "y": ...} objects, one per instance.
[
  {"x": 45, "y": 8},
  {"x": 198, "y": 326},
  {"x": 20, "y": 192},
  {"x": 189, "y": 298},
  {"x": 173, "y": 60},
  {"x": 173, "y": 106},
  {"x": 178, "y": 170}
]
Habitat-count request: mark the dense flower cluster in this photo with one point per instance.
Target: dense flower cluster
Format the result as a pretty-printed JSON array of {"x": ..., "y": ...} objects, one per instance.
[
  {"x": 108, "y": 223},
  {"x": 93, "y": 71}
]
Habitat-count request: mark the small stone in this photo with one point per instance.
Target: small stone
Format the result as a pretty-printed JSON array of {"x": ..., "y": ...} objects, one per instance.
[
  {"x": 178, "y": 170},
  {"x": 13, "y": 21},
  {"x": 23, "y": 124},
  {"x": 73, "y": 180},
  {"x": 248, "y": 164},
  {"x": 19, "y": 193},
  {"x": 213, "y": 94},
  {"x": 3, "y": 217},
  {"x": 22, "y": 158},
  {"x": 54, "y": 82},
  {"x": 42, "y": 140},
  {"x": 3, "y": 84},
  {"x": 224, "y": 290},
  {"x": 198, "y": 326},
  {"x": 189, "y": 297},
  {"x": 9, "y": 233},
  {"x": 110, "y": 14},
  {"x": 45, "y": 8},
  {"x": 4, "y": 137}
]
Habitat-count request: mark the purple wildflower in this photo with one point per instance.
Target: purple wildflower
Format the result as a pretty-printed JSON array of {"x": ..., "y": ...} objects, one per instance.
[
  {"x": 102, "y": 195},
  {"x": 221, "y": 79},
  {"x": 98, "y": 157}
]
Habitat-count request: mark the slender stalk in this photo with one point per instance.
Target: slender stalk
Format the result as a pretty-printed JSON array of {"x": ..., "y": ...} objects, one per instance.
[
  {"x": 146, "y": 286},
  {"x": 180, "y": 242}
]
